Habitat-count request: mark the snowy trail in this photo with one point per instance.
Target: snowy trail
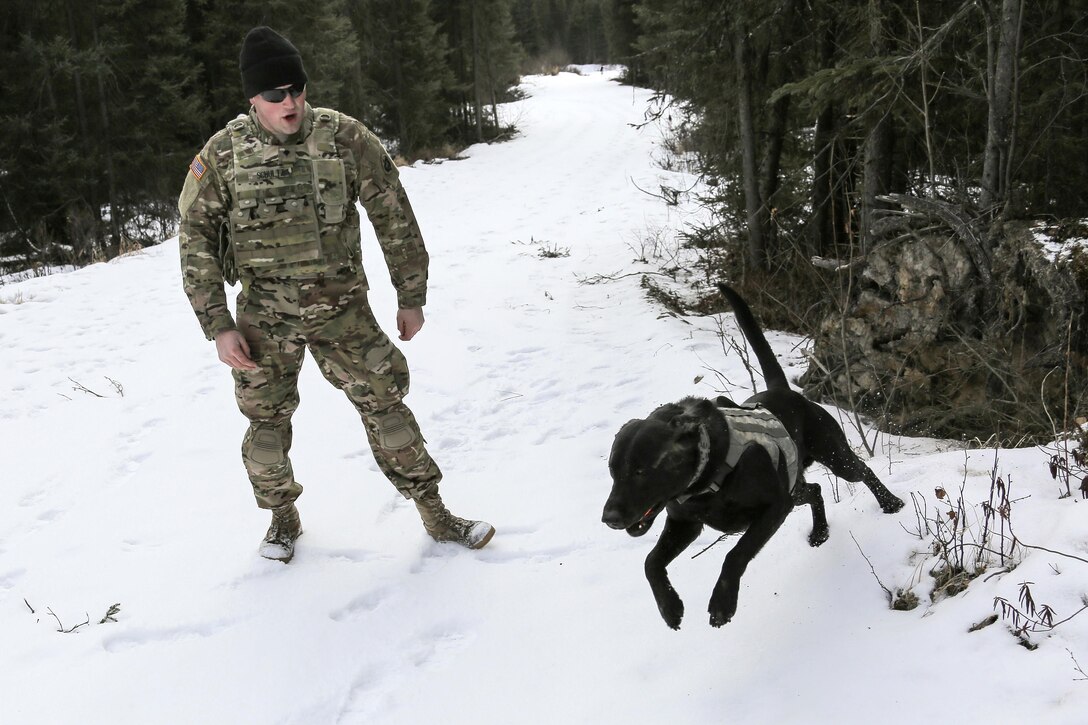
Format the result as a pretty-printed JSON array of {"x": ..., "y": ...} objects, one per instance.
[{"x": 521, "y": 377}]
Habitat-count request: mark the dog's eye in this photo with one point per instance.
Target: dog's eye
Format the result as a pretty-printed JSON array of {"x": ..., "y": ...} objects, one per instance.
[{"x": 640, "y": 471}]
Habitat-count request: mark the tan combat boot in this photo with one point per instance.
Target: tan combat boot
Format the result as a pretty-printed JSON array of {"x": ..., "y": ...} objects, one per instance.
[
  {"x": 445, "y": 527},
  {"x": 279, "y": 542}
]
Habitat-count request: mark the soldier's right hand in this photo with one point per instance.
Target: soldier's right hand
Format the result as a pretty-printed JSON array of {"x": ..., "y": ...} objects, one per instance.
[{"x": 234, "y": 350}]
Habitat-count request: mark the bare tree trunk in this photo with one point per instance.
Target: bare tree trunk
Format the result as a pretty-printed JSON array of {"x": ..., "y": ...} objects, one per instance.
[
  {"x": 107, "y": 144},
  {"x": 1002, "y": 81},
  {"x": 407, "y": 145},
  {"x": 822, "y": 232},
  {"x": 459, "y": 61},
  {"x": 477, "y": 82},
  {"x": 822, "y": 236},
  {"x": 879, "y": 146},
  {"x": 490, "y": 67},
  {"x": 77, "y": 77},
  {"x": 757, "y": 251},
  {"x": 879, "y": 143},
  {"x": 771, "y": 166}
]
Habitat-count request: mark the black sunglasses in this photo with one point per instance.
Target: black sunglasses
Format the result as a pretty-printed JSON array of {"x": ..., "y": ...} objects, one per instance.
[{"x": 276, "y": 95}]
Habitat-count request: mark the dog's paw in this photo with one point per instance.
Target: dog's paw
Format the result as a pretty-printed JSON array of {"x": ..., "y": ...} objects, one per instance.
[
  {"x": 723, "y": 604},
  {"x": 672, "y": 611},
  {"x": 717, "y": 620},
  {"x": 892, "y": 505},
  {"x": 819, "y": 535}
]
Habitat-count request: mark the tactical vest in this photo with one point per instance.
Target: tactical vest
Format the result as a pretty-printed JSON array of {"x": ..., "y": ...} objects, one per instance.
[
  {"x": 289, "y": 201},
  {"x": 758, "y": 426},
  {"x": 748, "y": 426}
]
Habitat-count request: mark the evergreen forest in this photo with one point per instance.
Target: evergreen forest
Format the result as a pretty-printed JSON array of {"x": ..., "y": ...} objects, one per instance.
[{"x": 803, "y": 114}]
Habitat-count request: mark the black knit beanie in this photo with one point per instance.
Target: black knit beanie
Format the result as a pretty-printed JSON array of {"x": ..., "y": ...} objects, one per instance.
[{"x": 268, "y": 60}]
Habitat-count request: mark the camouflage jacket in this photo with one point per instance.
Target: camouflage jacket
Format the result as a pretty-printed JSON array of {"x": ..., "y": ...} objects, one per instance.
[{"x": 216, "y": 248}]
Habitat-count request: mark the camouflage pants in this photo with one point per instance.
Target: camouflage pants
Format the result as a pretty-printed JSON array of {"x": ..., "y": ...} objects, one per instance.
[{"x": 331, "y": 317}]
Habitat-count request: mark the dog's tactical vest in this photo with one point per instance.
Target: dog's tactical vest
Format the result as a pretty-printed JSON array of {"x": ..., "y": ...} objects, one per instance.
[
  {"x": 752, "y": 426},
  {"x": 286, "y": 198},
  {"x": 758, "y": 426}
]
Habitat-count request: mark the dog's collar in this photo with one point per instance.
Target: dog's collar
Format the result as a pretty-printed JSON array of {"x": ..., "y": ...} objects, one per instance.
[{"x": 700, "y": 469}]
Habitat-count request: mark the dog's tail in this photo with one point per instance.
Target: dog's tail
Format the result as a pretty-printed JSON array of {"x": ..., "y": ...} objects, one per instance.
[{"x": 772, "y": 371}]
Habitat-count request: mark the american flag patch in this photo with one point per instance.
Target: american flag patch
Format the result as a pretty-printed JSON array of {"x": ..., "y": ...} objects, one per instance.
[{"x": 198, "y": 168}]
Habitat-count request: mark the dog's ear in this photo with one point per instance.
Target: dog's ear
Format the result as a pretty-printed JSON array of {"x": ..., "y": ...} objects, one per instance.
[
  {"x": 622, "y": 441},
  {"x": 685, "y": 423}
]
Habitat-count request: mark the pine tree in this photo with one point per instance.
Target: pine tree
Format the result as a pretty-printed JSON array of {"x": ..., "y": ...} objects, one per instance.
[
  {"x": 37, "y": 136},
  {"x": 621, "y": 30},
  {"x": 899, "y": 92},
  {"x": 322, "y": 32},
  {"x": 407, "y": 80},
  {"x": 145, "y": 106},
  {"x": 100, "y": 113},
  {"x": 485, "y": 59}
]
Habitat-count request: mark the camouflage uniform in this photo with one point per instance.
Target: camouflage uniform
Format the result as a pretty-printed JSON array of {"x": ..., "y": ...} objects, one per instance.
[{"x": 281, "y": 218}]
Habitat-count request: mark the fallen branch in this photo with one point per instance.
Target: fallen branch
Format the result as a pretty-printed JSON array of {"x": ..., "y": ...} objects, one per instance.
[
  {"x": 60, "y": 625},
  {"x": 84, "y": 389},
  {"x": 872, "y": 569}
]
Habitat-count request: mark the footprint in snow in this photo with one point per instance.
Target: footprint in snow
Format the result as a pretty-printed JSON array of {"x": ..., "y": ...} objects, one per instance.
[
  {"x": 49, "y": 515},
  {"x": 437, "y": 646},
  {"x": 360, "y": 606},
  {"x": 9, "y": 579},
  {"x": 141, "y": 637},
  {"x": 137, "y": 638},
  {"x": 547, "y": 436},
  {"x": 354, "y": 555},
  {"x": 361, "y": 703},
  {"x": 32, "y": 497}
]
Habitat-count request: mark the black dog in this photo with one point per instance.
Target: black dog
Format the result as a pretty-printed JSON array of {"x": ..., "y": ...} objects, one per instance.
[{"x": 734, "y": 468}]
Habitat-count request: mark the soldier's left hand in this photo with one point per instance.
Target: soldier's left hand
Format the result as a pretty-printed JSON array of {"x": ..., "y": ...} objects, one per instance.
[{"x": 409, "y": 321}]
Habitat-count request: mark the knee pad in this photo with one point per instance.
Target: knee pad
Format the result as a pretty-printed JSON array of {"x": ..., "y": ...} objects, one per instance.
[
  {"x": 265, "y": 446},
  {"x": 395, "y": 430}
]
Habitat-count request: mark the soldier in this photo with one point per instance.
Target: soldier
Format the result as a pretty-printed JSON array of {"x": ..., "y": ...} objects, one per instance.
[{"x": 270, "y": 201}]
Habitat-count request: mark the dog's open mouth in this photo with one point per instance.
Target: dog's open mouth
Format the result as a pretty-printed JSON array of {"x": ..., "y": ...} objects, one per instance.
[{"x": 643, "y": 525}]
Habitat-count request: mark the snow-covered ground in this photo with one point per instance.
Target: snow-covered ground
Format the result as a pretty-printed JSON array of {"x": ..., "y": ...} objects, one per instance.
[{"x": 122, "y": 485}]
